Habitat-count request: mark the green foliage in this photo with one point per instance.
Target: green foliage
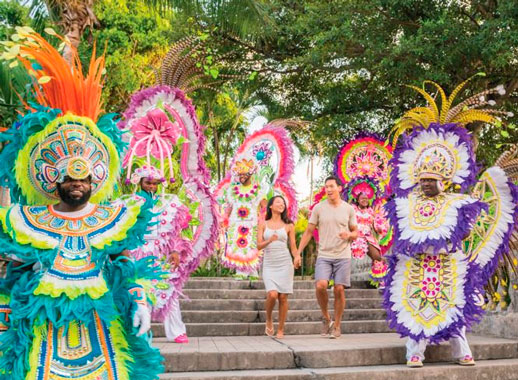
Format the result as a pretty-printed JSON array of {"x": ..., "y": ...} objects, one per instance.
[
  {"x": 13, "y": 82},
  {"x": 135, "y": 40},
  {"x": 12, "y": 14},
  {"x": 344, "y": 64},
  {"x": 13, "y": 79},
  {"x": 212, "y": 268}
]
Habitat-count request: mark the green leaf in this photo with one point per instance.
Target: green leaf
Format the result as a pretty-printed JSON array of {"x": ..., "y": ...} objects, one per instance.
[
  {"x": 214, "y": 73},
  {"x": 504, "y": 133}
]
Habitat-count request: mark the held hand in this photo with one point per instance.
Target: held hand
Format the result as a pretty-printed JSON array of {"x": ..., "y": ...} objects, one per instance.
[
  {"x": 345, "y": 235},
  {"x": 174, "y": 259},
  {"x": 273, "y": 238},
  {"x": 297, "y": 261},
  {"x": 142, "y": 319}
]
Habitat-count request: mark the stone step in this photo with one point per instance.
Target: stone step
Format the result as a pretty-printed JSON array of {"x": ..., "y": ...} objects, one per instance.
[
  {"x": 196, "y": 316},
  {"x": 258, "y": 304},
  {"x": 354, "y": 350},
  {"x": 257, "y": 328},
  {"x": 261, "y": 294},
  {"x": 230, "y": 283},
  {"x": 502, "y": 369}
]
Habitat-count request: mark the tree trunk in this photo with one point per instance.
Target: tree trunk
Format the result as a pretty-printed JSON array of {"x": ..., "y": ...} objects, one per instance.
[{"x": 74, "y": 17}]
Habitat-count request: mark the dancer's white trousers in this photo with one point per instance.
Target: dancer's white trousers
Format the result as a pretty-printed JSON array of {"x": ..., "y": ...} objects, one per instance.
[
  {"x": 459, "y": 347},
  {"x": 173, "y": 324}
]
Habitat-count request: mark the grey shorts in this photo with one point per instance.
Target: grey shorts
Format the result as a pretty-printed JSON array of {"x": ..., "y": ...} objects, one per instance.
[{"x": 338, "y": 270}]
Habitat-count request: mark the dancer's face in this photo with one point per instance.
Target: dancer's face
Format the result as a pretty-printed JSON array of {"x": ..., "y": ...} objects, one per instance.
[
  {"x": 75, "y": 192},
  {"x": 333, "y": 190},
  {"x": 429, "y": 187},
  {"x": 278, "y": 205},
  {"x": 245, "y": 179},
  {"x": 149, "y": 185},
  {"x": 363, "y": 201}
]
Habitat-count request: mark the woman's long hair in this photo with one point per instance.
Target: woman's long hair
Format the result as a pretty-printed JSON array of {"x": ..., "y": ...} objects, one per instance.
[{"x": 284, "y": 214}]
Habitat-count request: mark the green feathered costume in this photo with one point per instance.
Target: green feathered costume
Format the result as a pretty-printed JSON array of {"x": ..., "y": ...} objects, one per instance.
[{"x": 69, "y": 307}]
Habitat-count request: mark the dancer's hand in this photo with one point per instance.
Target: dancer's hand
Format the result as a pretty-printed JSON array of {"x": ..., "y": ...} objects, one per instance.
[
  {"x": 273, "y": 238},
  {"x": 345, "y": 235},
  {"x": 174, "y": 259},
  {"x": 297, "y": 262},
  {"x": 142, "y": 319}
]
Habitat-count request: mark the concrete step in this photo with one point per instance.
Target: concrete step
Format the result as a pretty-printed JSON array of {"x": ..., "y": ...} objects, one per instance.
[
  {"x": 258, "y": 304},
  {"x": 230, "y": 283},
  {"x": 195, "y": 316},
  {"x": 503, "y": 369},
  {"x": 354, "y": 350},
  {"x": 257, "y": 328},
  {"x": 261, "y": 294}
]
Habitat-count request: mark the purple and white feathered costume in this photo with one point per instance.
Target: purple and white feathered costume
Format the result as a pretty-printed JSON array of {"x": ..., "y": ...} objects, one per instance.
[{"x": 440, "y": 262}]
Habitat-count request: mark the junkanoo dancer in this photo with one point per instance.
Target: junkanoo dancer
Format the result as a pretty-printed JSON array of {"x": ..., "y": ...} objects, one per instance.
[
  {"x": 243, "y": 203},
  {"x": 165, "y": 241},
  {"x": 255, "y": 176},
  {"x": 76, "y": 311},
  {"x": 165, "y": 138},
  {"x": 440, "y": 261},
  {"x": 363, "y": 166},
  {"x": 372, "y": 225}
]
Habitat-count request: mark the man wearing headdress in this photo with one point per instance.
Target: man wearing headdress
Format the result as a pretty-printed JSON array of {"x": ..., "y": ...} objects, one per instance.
[
  {"x": 76, "y": 309},
  {"x": 450, "y": 227}
]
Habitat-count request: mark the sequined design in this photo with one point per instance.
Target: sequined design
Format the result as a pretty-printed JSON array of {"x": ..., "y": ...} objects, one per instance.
[
  {"x": 5, "y": 312},
  {"x": 430, "y": 288},
  {"x": 241, "y": 251},
  {"x": 70, "y": 150},
  {"x": 72, "y": 271},
  {"x": 78, "y": 352}
]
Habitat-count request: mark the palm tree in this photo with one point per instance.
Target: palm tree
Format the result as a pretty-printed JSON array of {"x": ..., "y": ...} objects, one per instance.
[
  {"x": 242, "y": 19},
  {"x": 73, "y": 16}
]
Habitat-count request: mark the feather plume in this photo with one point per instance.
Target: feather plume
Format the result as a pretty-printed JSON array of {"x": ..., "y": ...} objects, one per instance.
[
  {"x": 58, "y": 84},
  {"x": 464, "y": 113}
]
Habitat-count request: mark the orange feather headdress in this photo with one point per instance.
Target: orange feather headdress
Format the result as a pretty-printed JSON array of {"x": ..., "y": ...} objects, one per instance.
[{"x": 59, "y": 84}]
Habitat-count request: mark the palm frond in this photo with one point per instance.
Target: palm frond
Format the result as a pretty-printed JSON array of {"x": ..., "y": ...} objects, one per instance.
[{"x": 243, "y": 18}]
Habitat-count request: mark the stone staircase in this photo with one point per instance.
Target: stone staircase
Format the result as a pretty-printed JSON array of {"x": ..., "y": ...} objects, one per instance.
[{"x": 225, "y": 323}]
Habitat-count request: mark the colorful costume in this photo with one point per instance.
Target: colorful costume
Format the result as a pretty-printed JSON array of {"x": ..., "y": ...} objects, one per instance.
[
  {"x": 254, "y": 157},
  {"x": 363, "y": 166},
  {"x": 74, "y": 308},
  {"x": 445, "y": 246},
  {"x": 165, "y": 138}
]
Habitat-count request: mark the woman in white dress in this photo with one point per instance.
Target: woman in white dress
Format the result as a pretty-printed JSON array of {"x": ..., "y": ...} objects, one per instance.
[{"x": 272, "y": 237}]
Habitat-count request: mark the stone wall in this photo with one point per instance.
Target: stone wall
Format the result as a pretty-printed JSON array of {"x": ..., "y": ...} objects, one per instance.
[{"x": 503, "y": 324}]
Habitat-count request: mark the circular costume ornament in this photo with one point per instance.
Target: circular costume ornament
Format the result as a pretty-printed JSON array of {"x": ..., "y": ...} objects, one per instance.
[
  {"x": 364, "y": 157},
  {"x": 442, "y": 152},
  {"x": 70, "y": 146}
]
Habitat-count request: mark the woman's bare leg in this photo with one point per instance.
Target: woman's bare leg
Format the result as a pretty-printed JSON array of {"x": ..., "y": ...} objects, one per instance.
[{"x": 283, "y": 313}]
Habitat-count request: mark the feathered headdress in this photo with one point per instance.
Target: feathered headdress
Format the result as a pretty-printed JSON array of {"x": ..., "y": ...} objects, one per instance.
[
  {"x": 466, "y": 112},
  {"x": 439, "y": 146},
  {"x": 59, "y": 137},
  {"x": 362, "y": 165}
]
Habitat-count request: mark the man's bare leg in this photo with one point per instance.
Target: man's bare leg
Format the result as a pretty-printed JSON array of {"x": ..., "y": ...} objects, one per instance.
[
  {"x": 322, "y": 298},
  {"x": 339, "y": 304}
]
